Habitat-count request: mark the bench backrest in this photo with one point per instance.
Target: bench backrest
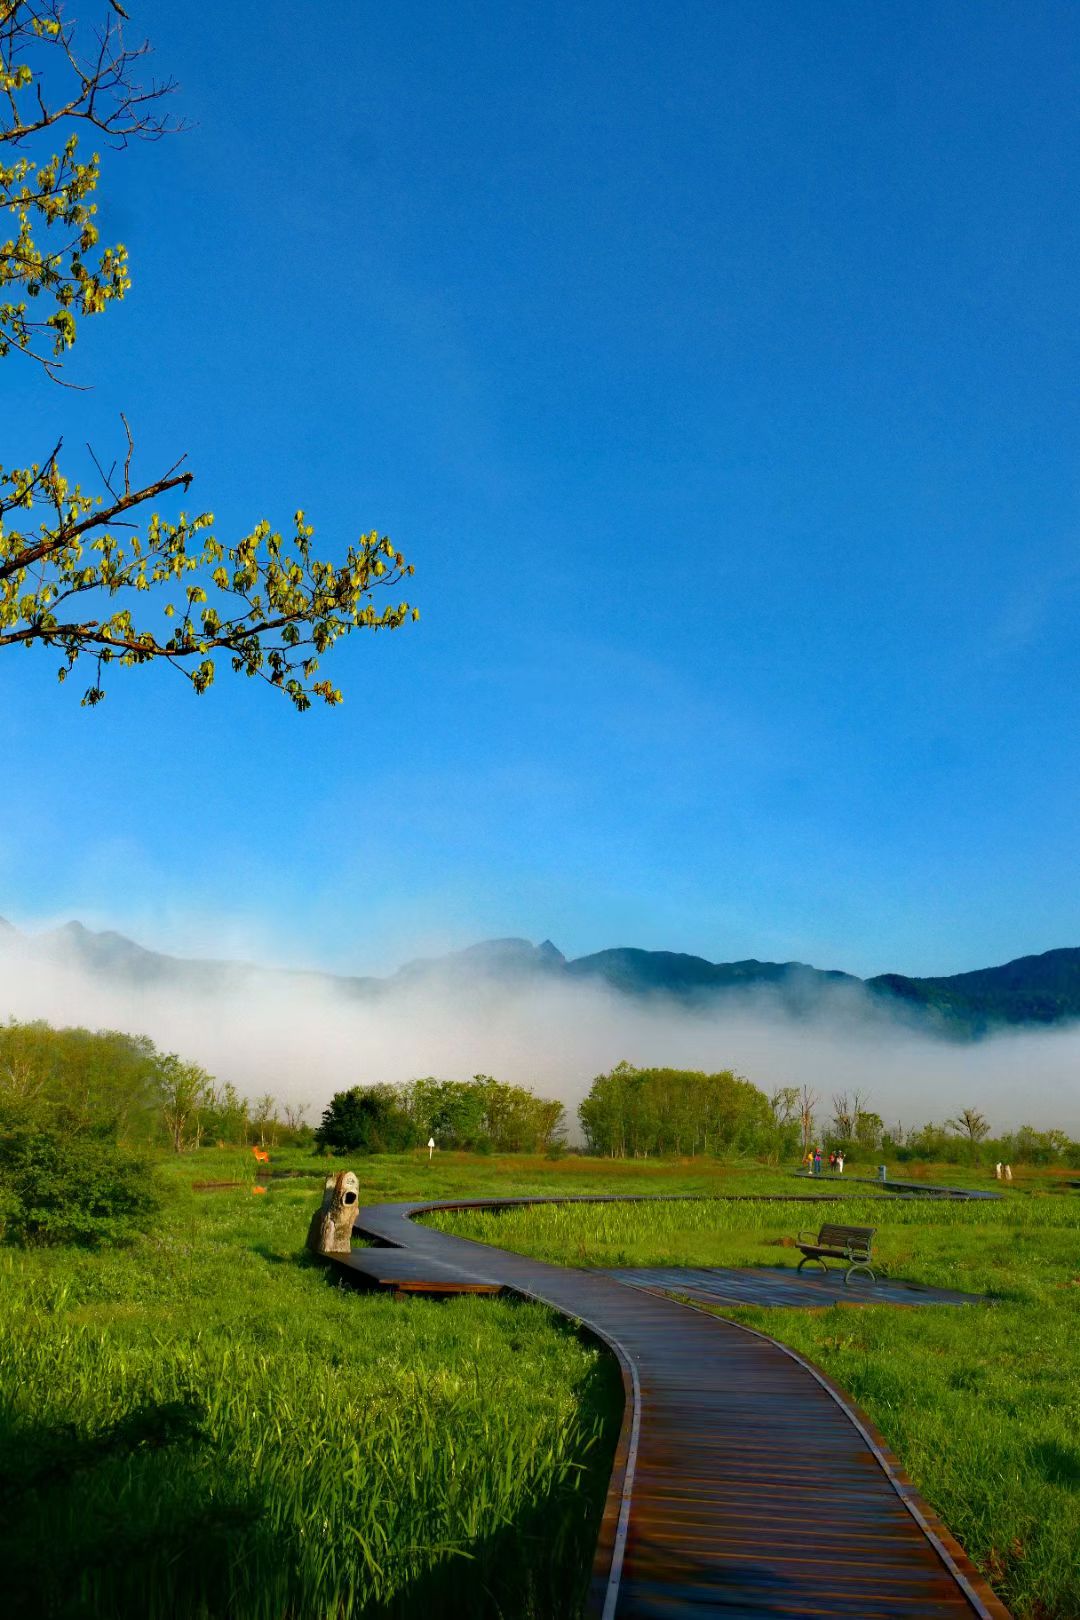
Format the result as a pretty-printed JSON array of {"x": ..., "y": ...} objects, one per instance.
[{"x": 843, "y": 1237}]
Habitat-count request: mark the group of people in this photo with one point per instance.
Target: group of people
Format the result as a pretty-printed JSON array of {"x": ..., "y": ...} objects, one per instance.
[{"x": 812, "y": 1162}]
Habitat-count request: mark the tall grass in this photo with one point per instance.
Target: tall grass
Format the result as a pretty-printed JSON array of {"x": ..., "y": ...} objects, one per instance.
[{"x": 205, "y": 1426}]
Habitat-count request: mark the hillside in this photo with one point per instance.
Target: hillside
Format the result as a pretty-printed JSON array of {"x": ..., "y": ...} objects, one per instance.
[{"x": 1040, "y": 990}]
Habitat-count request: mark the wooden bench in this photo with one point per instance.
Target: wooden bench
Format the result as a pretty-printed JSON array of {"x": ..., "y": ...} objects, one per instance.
[{"x": 850, "y": 1243}]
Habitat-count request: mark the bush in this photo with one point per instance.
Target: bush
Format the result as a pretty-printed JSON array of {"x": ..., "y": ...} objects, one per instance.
[{"x": 62, "y": 1181}]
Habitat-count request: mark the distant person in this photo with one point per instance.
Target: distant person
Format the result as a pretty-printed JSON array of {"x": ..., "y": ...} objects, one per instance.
[
  {"x": 832, "y": 1160},
  {"x": 1008, "y": 1172},
  {"x": 817, "y": 1161},
  {"x": 839, "y": 1164},
  {"x": 997, "y": 1169},
  {"x": 808, "y": 1162}
]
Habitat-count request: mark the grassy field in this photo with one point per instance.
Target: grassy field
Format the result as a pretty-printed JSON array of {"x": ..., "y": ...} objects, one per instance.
[
  {"x": 202, "y": 1425},
  {"x": 981, "y": 1405}
]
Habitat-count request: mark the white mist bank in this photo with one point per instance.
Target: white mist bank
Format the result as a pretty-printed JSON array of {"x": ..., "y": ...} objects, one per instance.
[{"x": 303, "y": 1040}]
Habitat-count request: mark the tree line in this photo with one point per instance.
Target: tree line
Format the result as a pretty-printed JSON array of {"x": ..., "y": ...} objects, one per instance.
[
  {"x": 149, "y": 1098},
  {"x": 81, "y": 1112},
  {"x": 853, "y": 1127},
  {"x": 638, "y": 1113},
  {"x": 481, "y": 1115}
]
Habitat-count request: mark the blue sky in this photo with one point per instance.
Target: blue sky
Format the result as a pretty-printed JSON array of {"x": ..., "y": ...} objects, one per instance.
[{"x": 716, "y": 366}]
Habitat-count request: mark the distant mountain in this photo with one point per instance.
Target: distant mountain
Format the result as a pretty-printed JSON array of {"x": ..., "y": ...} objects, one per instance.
[
  {"x": 1032, "y": 990},
  {"x": 113, "y": 956},
  {"x": 673, "y": 973},
  {"x": 499, "y": 958}
]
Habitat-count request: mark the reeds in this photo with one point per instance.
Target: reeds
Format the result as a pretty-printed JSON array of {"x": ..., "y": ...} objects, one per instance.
[{"x": 203, "y": 1426}]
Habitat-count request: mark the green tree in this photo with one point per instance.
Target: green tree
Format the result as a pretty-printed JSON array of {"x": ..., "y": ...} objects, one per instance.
[
  {"x": 366, "y": 1119},
  {"x": 264, "y": 1120},
  {"x": 101, "y": 1074},
  {"x": 295, "y": 1117},
  {"x": 808, "y": 1101},
  {"x": 930, "y": 1141},
  {"x": 869, "y": 1130},
  {"x": 458, "y": 1120},
  {"x": 784, "y": 1103},
  {"x": 637, "y": 1112},
  {"x": 514, "y": 1119},
  {"x": 482, "y": 1114},
  {"x": 81, "y": 568},
  {"x": 224, "y": 1115},
  {"x": 603, "y": 1112},
  {"x": 26, "y": 1059},
  {"x": 186, "y": 1090}
]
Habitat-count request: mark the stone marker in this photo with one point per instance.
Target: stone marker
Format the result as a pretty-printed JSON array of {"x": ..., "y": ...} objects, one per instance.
[{"x": 331, "y": 1226}]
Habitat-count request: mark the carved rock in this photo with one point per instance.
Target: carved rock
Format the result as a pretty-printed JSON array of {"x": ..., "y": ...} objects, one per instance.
[{"x": 331, "y": 1225}]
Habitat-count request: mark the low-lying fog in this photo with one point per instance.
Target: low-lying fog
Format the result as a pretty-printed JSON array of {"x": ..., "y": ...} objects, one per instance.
[{"x": 303, "y": 1040}]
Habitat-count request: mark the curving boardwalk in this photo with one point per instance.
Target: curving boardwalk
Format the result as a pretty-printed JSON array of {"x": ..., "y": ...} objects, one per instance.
[{"x": 744, "y": 1483}]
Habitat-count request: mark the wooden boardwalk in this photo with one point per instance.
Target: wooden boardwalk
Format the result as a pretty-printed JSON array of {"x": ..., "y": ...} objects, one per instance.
[
  {"x": 784, "y": 1286},
  {"x": 744, "y": 1482},
  {"x": 902, "y": 1189}
]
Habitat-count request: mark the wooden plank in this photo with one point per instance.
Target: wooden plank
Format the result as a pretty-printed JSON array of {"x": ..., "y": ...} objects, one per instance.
[
  {"x": 403, "y": 1272},
  {"x": 745, "y": 1483},
  {"x": 783, "y": 1285}
]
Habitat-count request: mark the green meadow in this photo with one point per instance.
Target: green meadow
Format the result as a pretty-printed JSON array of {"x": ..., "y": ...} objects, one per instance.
[{"x": 202, "y": 1424}]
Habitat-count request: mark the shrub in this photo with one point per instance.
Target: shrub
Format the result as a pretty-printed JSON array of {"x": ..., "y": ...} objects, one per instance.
[{"x": 63, "y": 1181}]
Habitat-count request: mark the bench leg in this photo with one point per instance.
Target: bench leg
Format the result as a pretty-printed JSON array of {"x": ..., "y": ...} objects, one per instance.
[
  {"x": 860, "y": 1265},
  {"x": 812, "y": 1260}
]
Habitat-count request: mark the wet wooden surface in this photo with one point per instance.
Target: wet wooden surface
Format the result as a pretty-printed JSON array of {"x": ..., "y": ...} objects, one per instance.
[
  {"x": 406, "y": 1273},
  {"x": 745, "y": 1483},
  {"x": 784, "y": 1286}
]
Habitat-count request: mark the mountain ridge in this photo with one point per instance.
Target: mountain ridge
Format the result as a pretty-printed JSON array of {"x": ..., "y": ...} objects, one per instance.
[{"x": 1041, "y": 989}]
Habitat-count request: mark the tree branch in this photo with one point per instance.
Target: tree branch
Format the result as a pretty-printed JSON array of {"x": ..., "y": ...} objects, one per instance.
[{"x": 97, "y": 520}]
